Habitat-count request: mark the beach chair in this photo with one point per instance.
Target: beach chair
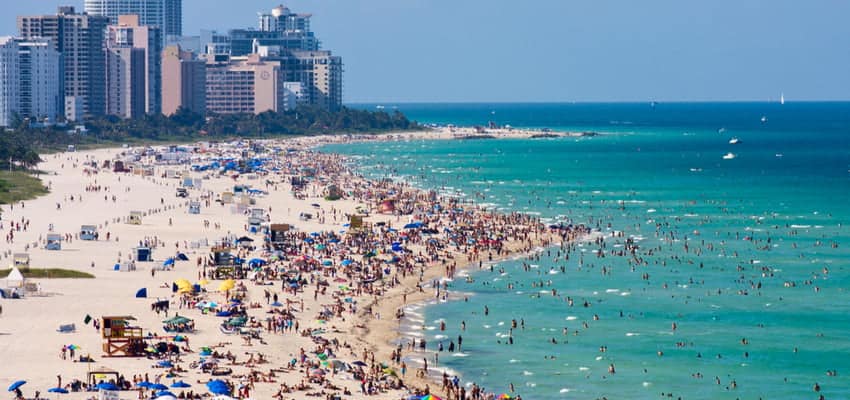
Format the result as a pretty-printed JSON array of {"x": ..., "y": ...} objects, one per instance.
[{"x": 67, "y": 328}]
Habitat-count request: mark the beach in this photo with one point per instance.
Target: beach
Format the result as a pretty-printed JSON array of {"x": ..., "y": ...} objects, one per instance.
[{"x": 348, "y": 320}]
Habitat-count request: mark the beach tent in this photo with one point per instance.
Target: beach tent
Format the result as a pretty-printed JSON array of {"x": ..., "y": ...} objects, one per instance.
[
  {"x": 54, "y": 242},
  {"x": 15, "y": 279},
  {"x": 135, "y": 218},
  {"x": 143, "y": 254},
  {"x": 142, "y": 293},
  {"x": 21, "y": 260},
  {"x": 88, "y": 232}
]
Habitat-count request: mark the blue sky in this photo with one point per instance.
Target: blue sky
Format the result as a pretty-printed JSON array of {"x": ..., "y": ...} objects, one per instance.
[{"x": 561, "y": 50}]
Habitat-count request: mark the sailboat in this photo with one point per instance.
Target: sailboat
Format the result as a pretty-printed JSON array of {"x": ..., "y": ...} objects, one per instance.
[{"x": 782, "y": 98}]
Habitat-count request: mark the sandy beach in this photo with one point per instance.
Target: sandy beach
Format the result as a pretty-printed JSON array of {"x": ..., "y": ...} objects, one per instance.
[{"x": 356, "y": 322}]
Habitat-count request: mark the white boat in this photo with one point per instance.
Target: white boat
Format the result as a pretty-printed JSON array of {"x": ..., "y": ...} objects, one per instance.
[
  {"x": 734, "y": 140},
  {"x": 763, "y": 118},
  {"x": 729, "y": 156},
  {"x": 782, "y": 98}
]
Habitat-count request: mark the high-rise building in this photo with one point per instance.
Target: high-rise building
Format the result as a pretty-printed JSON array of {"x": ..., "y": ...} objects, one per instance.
[
  {"x": 80, "y": 40},
  {"x": 130, "y": 33},
  {"x": 281, "y": 28},
  {"x": 318, "y": 72},
  {"x": 125, "y": 76},
  {"x": 248, "y": 85},
  {"x": 183, "y": 81},
  {"x": 165, "y": 14},
  {"x": 41, "y": 96},
  {"x": 9, "y": 80}
]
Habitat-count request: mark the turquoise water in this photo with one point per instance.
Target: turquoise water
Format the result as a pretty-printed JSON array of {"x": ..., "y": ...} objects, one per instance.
[{"x": 766, "y": 262}]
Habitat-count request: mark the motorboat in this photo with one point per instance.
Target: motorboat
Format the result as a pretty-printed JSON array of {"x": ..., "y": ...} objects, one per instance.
[{"x": 729, "y": 156}]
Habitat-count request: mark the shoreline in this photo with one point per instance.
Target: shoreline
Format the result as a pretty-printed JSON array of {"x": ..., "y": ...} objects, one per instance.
[
  {"x": 384, "y": 335},
  {"x": 70, "y": 176}
]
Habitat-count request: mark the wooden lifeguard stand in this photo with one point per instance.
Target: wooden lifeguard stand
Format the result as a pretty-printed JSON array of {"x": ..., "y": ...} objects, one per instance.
[{"x": 120, "y": 339}]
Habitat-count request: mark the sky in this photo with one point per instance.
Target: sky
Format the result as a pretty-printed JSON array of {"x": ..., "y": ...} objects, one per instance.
[{"x": 559, "y": 50}]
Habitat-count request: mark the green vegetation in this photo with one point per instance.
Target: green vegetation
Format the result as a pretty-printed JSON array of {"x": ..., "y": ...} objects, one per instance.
[
  {"x": 49, "y": 273},
  {"x": 18, "y": 185},
  {"x": 185, "y": 125},
  {"x": 21, "y": 144}
]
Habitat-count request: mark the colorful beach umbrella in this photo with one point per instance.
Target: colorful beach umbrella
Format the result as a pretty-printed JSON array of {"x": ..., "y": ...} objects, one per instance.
[
  {"x": 430, "y": 397},
  {"x": 227, "y": 285},
  {"x": 504, "y": 396},
  {"x": 16, "y": 385}
]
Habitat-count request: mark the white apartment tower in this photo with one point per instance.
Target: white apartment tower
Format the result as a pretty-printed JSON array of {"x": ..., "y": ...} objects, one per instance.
[
  {"x": 165, "y": 14},
  {"x": 41, "y": 96},
  {"x": 9, "y": 79}
]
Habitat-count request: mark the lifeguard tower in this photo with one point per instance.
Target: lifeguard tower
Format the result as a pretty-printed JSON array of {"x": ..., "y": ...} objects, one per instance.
[
  {"x": 120, "y": 339},
  {"x": 135, "y": 218},
  {"x": 88, "y": 232},
  {"x": 195, "y": 207},
  {"x": 21, "y": 260},
  {"x": 277, "y": 233},
  {"x": 54, "y": 242},
  {"x": 357, "y": 223}
]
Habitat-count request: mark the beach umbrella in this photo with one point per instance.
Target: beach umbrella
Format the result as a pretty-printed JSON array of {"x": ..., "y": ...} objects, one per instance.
[
  {"x": 143, "y": 384},
  {"x": 430, "y": 397},
  {"x": 504, "y": 396},
  {"x": 226, "y": 285},
  {"x": 168, "y": 262},
  {"x": 16, "y": 385},
  {"x": 107, "y": 386},
  {"x": 165, "y": 393},
  {"x": 142, "y": 293},
  {"x": 346, "y": 263},
  {"x": 204, "y": 282},
  {"x": 359, "y": 363},
  {"x": 57, "y": 390},
  {"x": 183, "y": 283},
  {"x": 182, "y": 257},
  {"x": 166, "y": 397},
  {"x": 277, "y": 304},
  {"x": 158, "y": 386},
  {"x": 217, "y": 386}
]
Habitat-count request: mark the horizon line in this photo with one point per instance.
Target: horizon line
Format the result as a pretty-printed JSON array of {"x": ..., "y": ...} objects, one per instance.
[{"x": 596, "y": 101}]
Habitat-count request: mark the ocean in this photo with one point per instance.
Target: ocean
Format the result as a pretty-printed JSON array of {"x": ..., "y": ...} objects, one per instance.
[{"x": 739, "y": 288}]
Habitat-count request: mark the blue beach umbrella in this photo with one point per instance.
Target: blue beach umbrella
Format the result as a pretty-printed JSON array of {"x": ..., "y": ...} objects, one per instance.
[
  {"x": 180, "y": 384},
  {"x": 169, "y": 261},
  {"x": 277, "y": 304},
  {"x": 144, "y": 384},
  {"x": 57, "y": 390},
  {"x": 165, "y": 393},
  {"x": 165, "y": 364},
  {"x": 218, "y": 386},
  {"x": 16, "y": 385},
  {"x": 345, "y": 263},
  {"x": 157, "y": 386}
]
